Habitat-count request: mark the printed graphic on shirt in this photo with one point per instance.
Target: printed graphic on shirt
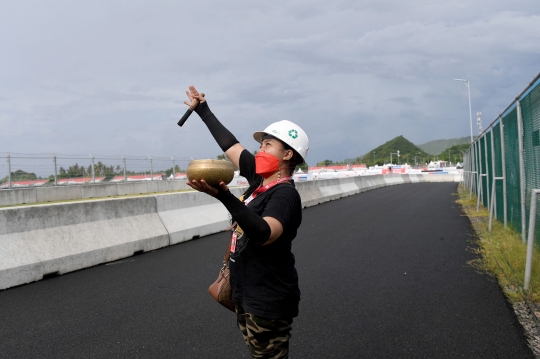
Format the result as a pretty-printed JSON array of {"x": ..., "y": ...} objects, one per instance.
[
  {"x": 240, "y": 240},
  {"x": 239, "y": 232},
  {"x": 233, "y": 242}
]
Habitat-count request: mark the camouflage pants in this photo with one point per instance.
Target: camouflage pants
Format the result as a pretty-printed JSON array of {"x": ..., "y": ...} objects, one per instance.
[{"x": 265, "y": 338}]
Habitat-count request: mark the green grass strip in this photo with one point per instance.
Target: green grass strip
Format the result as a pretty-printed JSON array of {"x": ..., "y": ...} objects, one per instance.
[{"x": 502, "y": 252}]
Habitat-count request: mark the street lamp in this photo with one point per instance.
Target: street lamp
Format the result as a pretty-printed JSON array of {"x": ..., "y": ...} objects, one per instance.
[{"x": 466, "y": 82}]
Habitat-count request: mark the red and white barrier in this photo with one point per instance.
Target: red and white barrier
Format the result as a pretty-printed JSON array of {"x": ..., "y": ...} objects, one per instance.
[
  {"x": 18, "y": 184},
  {"x": 83, "y": 180}
]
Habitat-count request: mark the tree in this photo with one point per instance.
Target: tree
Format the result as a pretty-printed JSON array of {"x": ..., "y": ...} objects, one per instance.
[
  {"x": 20, "y": 175},
  {"x": 454, "y": 151},
  {"x": 325, "y": 163},
  {"x": 169, "y": 171}
]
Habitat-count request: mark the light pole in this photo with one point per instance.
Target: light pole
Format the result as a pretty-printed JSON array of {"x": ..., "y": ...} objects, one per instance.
[
  {"x": 462, "y": 155},
  {"x": 466, "y": 82},
  {"x": 373, "y": 158}
]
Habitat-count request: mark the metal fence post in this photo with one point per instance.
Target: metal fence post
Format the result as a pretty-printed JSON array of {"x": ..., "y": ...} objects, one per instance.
[
  {"x": 530, "y": 240},
  {"x": 464, "y": 173},
  {"x": 487, "y": 171},
  {"x": 521, "y": 171},
  {"x": 503, "y": 157},
  {"x": 479, "y": 186},
  {"x": 474, "y": 173},
  {"x": 124, "y": 160},
  {"x": 478, "y": 166},
  {"x": 470, "y": 164},
  {"x": 474, "y": 170},
  {"x": 9, "y": 169},
  {"x": 472, "y": 156},
  {"x": 151, "y": 169},
  {"x": 93, "y": 170},
  {"x": 55, "y": 171},
  {"x": 494, "y": 171}
]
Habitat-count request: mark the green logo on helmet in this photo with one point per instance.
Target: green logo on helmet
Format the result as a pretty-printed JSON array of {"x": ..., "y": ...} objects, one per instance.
[{"x": 293, "y": 134}]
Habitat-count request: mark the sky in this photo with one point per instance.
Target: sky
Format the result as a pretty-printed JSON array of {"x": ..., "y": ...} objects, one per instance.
[{"x": 109, "y": 77}]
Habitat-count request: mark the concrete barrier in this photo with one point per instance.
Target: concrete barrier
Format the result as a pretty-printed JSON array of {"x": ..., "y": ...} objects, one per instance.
[
  {"x": 394, "y": 179},
  {"x": 58, "y": 238},
  {"x": 192, "y": 214},
  {"x": 18, "y": 196},
  {"x": 317, "y": 192}
]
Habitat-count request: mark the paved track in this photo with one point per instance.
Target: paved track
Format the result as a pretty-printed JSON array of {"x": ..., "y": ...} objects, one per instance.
[{"x": 383, "y": 274}]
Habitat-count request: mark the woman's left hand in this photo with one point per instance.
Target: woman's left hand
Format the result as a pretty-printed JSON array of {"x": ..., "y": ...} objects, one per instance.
[
  {"x": 204, "y": 187},
  {"x": 193, "y": 95}
]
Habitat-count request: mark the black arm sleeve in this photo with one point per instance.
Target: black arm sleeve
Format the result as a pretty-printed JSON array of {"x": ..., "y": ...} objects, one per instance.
[
  {"x": 224, "y": 138},
  {"x": 256, "y": 228}
]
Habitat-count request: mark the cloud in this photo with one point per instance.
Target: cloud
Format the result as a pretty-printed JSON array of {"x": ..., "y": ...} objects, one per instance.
[
  {"x": 110, "y": 77},
  {"x": 403, "y": 100}
]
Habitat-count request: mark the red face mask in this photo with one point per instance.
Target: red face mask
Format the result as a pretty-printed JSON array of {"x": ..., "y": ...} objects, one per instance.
[{"x": 266, "y": 164}]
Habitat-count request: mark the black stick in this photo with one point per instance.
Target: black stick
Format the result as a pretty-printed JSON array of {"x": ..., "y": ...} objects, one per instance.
[{"x": 189, "y": 111}]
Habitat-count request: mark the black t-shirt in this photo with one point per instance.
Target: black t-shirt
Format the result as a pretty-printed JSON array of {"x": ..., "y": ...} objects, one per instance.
[{"x": 263, "y": 278}]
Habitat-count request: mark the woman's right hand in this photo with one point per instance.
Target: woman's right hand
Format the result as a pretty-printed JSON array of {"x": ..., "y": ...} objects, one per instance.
[
  {"x": 193, "y": 95},
  {"x": 204, "y": 187}
]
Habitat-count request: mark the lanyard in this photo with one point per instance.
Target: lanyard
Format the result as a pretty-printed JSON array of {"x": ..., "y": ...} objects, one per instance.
[
  {"x": 237, "y": 231},
  {"x": 263, "y": 189}
]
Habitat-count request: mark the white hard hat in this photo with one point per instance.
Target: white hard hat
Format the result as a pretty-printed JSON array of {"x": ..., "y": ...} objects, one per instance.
[{"x": 288, "y": 132}]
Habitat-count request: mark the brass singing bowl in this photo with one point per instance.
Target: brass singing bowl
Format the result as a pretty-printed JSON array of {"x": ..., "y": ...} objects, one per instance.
[{"x": 212, "y": 171}]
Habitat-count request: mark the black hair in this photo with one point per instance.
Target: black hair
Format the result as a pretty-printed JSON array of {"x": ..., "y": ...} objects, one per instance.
[{"x": 253, "y": 186}]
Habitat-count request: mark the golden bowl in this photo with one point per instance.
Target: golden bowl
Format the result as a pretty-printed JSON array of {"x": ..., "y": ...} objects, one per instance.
[{"x": 212, "y": 171}]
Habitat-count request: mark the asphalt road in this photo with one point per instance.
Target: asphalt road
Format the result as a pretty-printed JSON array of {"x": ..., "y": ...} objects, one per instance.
[{"x": 383, "y": 274}]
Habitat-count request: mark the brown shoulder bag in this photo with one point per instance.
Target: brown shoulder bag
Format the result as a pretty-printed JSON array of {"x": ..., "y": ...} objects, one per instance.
[{"x": 220, "y": 290}]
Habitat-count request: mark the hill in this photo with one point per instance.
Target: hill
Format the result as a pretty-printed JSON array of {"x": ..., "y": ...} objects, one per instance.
[
  {"x": 454, "y": 153},
  {"x": 381, "y": 154},
  {"x": 438, "y": 146}
]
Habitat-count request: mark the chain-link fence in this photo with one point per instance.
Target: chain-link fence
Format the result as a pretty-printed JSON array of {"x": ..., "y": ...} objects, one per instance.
[
  {"x": 31, "y": 170},
  {"x": 502, "y": 166}
]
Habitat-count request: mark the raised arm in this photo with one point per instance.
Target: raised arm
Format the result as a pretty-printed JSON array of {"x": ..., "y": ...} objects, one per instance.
[{"x": 224, "y": 138}]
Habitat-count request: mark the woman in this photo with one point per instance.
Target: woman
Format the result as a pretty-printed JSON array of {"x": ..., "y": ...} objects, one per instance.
[{"x": 264, "y": 281}]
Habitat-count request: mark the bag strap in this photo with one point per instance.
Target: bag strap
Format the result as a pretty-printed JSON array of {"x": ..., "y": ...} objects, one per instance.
[
  {"x": 232, "y": 227},
  {"x": 228, "y": 253}
]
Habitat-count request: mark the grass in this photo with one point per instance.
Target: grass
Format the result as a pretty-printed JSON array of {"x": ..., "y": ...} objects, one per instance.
[{"x": 502, "y": 253}]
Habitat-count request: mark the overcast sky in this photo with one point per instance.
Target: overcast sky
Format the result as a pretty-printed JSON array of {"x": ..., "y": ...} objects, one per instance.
[{"x": 109, "y": 77}]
